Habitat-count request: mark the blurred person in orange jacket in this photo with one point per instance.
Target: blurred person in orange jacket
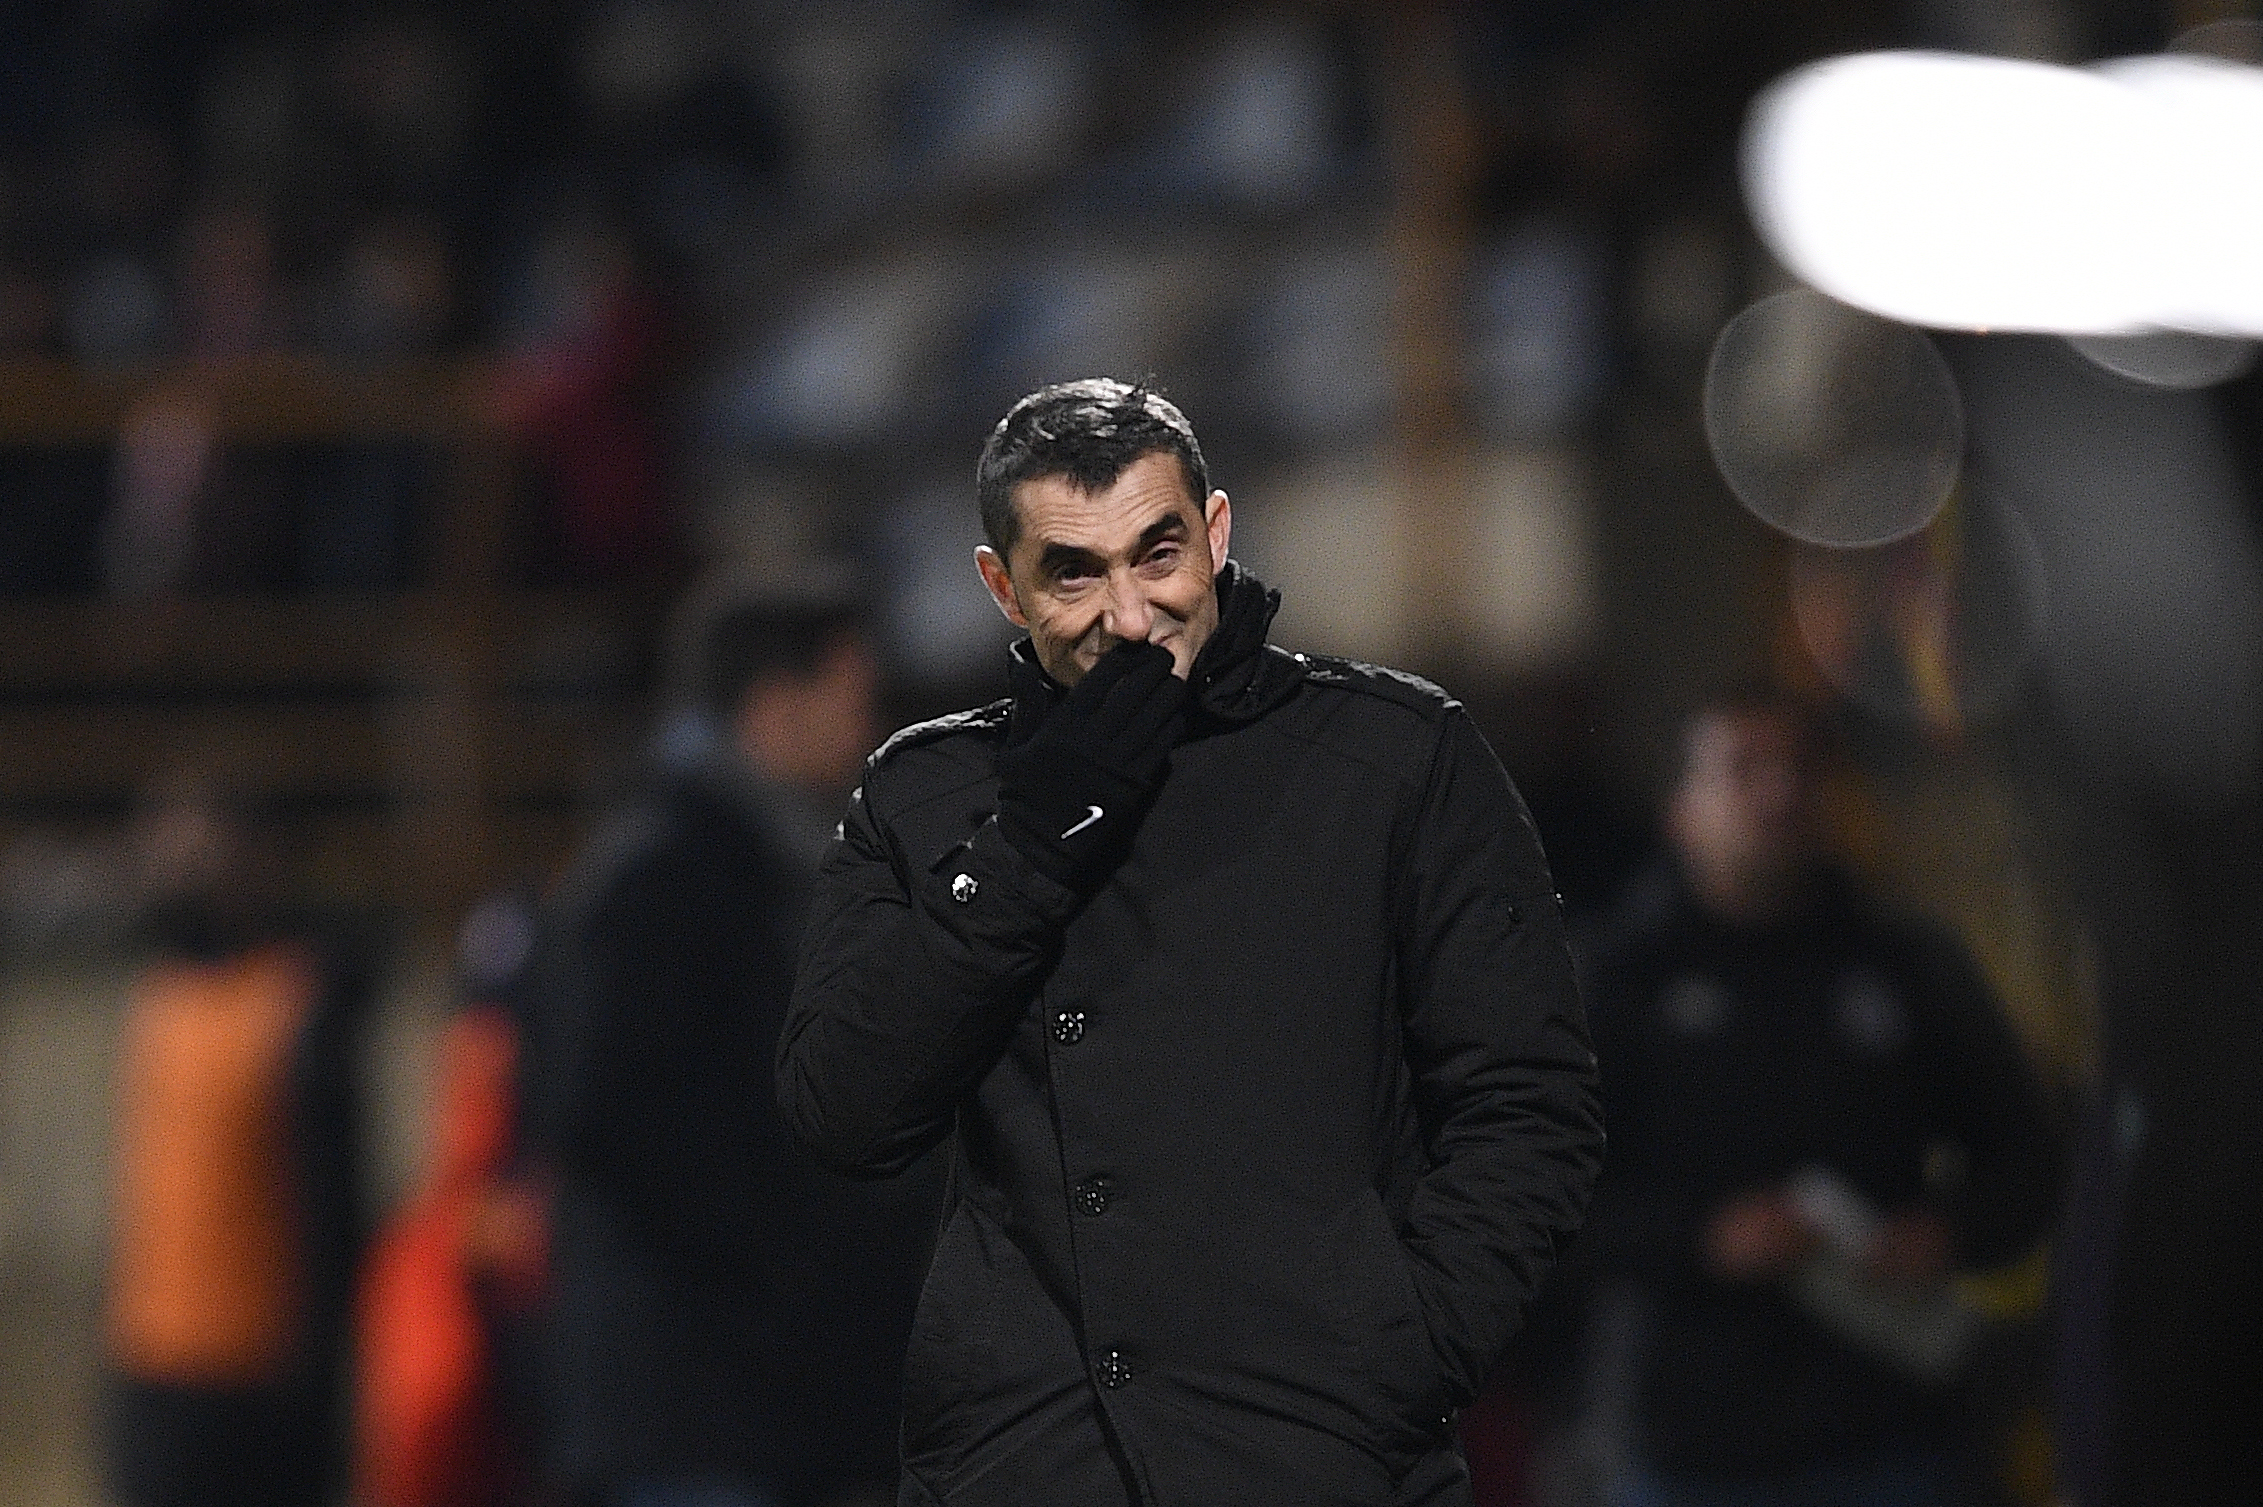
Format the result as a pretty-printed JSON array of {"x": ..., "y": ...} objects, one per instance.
[
  {"x": 235, "y": 1211},
  {"x": 454, "y": 1275}
]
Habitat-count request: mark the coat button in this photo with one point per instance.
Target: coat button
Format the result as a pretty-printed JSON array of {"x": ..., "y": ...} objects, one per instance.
[
  {"x": 1516, "y": 914},
  {"x": 1092, "y": 1196},
  {"x": 1068, "y": 1027},
  {"x": 965, "y": 888},
  {"x": 1114, "y": 1370}
]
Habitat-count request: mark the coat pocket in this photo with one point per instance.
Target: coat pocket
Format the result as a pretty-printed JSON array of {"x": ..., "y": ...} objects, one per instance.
[
  {"x": 951, "y": 1317},
  {"x": 992, "y": 1372},
  {"x": 1397, "y": 1360}
]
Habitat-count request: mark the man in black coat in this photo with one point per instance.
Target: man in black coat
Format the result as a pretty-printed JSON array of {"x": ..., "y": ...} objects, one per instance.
[
  {"x": 728, "y": 1317},
  {"x": 1817, "y": 1111},
  {"x": 1240, "y": 977}
]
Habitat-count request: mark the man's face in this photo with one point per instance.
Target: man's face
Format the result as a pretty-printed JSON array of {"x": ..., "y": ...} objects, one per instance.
[
  {"x": 1745, "y": 812},
  {"x": 1091, "y": 570}
]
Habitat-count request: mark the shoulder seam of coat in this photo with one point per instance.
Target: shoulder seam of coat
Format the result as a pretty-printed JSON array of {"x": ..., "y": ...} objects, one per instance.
[
  {"x": 1380, "y": 681},
  {"x": 973, "y": 719}
]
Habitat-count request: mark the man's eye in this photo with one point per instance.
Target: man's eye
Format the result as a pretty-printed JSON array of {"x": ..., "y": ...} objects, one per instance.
[{"x": 1164, "y": 558}]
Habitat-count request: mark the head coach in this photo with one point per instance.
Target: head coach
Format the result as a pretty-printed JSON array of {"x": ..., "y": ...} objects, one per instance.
[{"x": 1240, "y": 977}]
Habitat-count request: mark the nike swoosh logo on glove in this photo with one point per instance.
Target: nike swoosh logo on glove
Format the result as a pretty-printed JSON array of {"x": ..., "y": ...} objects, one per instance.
[{"x": 1097, "y": 813}]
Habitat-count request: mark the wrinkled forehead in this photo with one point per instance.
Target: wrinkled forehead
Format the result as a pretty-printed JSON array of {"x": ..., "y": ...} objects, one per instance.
[{"x": 1148, "y": 497}]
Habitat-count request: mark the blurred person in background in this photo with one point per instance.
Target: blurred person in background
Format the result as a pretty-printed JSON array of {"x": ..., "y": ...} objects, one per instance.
[
  {"x": 1818, "y": 1113},
  {"x": 444, "y": 1301},
  {"x": 578, "y": 384},
  {"x": 728, "y": 1319},
  {"x": 235, "y": 1212},
  {"x": 385, "y": 302},
  {"x": 1238, "y": 976}
]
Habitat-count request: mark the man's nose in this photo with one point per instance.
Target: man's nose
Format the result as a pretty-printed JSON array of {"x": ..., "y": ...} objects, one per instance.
[{"x": 1126, "y": 616}]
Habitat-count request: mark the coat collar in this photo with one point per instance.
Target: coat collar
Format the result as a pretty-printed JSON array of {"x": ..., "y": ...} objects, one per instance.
[{"x": 1238, "y": 676}]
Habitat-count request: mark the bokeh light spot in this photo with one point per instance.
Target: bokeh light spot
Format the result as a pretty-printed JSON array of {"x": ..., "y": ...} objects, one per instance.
[
  {"x": 1831, "y": 425},
  {"x": 2168, "y": 358}
]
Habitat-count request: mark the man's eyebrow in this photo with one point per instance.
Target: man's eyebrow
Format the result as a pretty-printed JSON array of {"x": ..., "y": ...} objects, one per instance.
[
  {"x": 1169, "y": 526},
  {"x": 1055, "y": 558}
]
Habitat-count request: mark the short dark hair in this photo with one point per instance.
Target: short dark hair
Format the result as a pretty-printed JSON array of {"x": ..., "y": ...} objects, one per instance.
[
  {"x": 736, "y": 631},
  {"x": 1089, "y": 431}
]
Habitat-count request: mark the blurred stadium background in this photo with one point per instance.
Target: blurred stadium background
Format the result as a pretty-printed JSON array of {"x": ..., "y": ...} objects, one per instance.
[{"x": 372, "y": 378}]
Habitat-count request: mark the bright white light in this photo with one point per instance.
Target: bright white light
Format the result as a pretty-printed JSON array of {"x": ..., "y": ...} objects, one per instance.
[
  {"x": 1983, "y": 193},
  {"x": 2207, "y": 189}
]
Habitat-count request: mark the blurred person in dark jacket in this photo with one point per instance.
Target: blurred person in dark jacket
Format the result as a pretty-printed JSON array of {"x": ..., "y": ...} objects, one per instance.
[
  {"x": 1239, "y": 976},
  {"x": 727, "y": 1317},
  {"x": 1817, "y": 1114},
  {"x": 236, "y": 1209}
]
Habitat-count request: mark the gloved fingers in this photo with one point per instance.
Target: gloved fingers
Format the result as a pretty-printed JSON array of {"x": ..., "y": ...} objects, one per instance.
[
  {"x": 1087, "y": 694},
  {"x": 1148, "y": 708},
  {"x": 1168, "y": 734},
  {"x": 1145, "y": 674}
]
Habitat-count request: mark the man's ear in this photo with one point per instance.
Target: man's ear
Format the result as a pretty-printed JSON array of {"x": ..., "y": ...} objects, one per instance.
[
  {"x": 1218, "y": 518},
  {"x": 992, "y": 565}
]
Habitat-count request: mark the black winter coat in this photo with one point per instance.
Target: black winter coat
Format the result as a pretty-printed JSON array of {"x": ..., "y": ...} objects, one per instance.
[
  {"x": 723, "y": 1307},
  {"x": 1261, "y": 1152}
]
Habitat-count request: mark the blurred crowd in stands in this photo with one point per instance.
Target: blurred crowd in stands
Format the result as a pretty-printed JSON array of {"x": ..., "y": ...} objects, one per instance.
[{"x": 712, "y": 254}]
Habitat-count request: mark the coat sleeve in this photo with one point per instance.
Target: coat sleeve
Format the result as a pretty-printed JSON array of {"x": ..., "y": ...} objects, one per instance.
[
  {"x": 1504, "y": 1081},
  {"x": 912, "y": 977},
  {"x": 1643, "y": 1222}
]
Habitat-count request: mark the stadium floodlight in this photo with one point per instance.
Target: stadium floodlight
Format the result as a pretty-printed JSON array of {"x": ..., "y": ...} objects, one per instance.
[{"x": 1985, "y": 193}]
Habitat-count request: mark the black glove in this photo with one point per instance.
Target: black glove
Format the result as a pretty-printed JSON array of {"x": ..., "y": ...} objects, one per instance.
[{"x": 1070, "y": 798}]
